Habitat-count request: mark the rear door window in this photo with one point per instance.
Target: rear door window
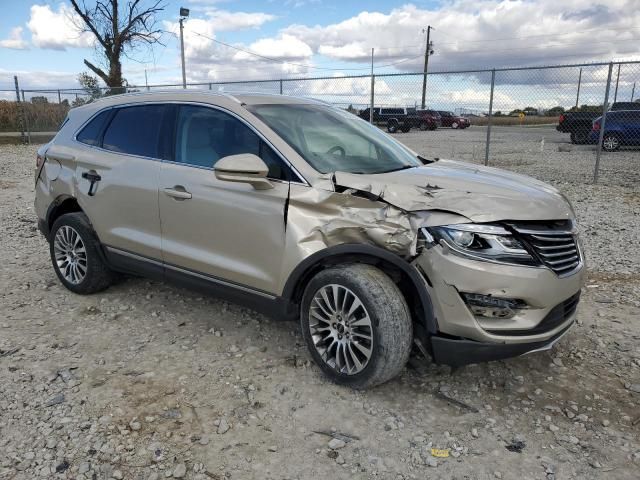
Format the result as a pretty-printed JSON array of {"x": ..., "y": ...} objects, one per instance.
[
  {"x": 91, "y": 134},
  {"x": 136, "y": 131}
]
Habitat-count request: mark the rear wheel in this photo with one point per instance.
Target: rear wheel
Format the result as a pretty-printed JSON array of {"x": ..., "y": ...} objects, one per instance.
[
  {"x": 454, "y": 125},
  {"x": 579, "y": 137},
  {"x": 357, "y": 325},
  {"x": 392, "y": 126},
  {"x": 75, "y": 254},
  {"x": 405, "y": 128},
  {"x": 423, "y": 126},
  {"x": 610, "y": 142}
]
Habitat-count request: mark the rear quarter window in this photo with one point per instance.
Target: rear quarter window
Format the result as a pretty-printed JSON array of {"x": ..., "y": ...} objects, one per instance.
[
  {"x": 91, "y": 134},
  {"x": 136, "y": 131}
]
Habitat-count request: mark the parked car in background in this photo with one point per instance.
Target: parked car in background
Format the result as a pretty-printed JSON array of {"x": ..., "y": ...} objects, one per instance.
[
  {"x": 450, "y": 119},
  {"x": 399, "y": 118},
  {"x": 302, "y": 210},
  {"x": 426, "y": 119},
  {"x": 433, "y": 114},
  {"x": 622, "y": 128},
  {"x": 578, "y": 124},
  {"x": 625, "y": 106}
]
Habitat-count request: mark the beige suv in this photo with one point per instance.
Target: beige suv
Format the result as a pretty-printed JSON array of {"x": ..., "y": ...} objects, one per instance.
[{"x": 305, "y": 211}]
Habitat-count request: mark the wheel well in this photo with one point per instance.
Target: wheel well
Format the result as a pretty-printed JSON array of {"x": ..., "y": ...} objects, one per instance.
[
  {"x": 399, "y": 277},
  {"x": 61, "y": 207}
]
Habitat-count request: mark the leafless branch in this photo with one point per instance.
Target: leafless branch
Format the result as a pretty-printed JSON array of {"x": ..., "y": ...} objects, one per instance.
[{"x": 119, "y": 30}]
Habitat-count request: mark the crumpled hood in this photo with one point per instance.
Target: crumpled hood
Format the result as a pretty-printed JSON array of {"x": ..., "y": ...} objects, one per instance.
[{"x": 482, "y": 194}]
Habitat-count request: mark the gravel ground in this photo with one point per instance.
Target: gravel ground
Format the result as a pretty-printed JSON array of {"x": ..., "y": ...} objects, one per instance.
[{"x": 148, "y": 381}]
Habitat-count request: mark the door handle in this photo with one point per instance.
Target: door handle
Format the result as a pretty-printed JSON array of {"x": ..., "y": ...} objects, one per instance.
[{"x": 178, "y": 192}]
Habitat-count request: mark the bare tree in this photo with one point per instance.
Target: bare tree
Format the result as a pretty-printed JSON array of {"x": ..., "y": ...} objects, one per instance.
[{"x": 119, "y": 28}]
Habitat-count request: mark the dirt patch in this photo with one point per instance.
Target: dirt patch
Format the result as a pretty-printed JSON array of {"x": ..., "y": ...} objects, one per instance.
[{"x": 150, "y": 381}]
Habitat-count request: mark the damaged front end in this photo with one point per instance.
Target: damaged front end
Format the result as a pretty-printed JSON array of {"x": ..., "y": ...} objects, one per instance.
[{"x": 502, "y": 301}]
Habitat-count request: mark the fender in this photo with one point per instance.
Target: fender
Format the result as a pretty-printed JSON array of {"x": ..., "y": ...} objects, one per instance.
[{"x": 299, "y": 275}]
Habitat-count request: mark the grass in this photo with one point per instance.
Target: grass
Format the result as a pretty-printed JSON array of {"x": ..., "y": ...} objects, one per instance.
[
  {"x": 514, "y": 121},
  {"x": 41, "y": 117}
]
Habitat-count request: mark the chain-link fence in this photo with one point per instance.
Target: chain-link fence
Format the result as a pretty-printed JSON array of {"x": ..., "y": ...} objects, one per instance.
[{"x": 573, "y": 122}]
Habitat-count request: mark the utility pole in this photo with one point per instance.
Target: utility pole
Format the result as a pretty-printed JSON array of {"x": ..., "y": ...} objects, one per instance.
[
  {"x": 184, "y": 13},
  {"x": 633, "y": 91},
  {"x": 372, "y": 87},
  {"x": 23, "y": 120},
  {"x": 615, "y": 95},
  {"x": 146, "y": 80},
  {"x": 579, "y": 82},
  {"x": 427, "y": 52}
]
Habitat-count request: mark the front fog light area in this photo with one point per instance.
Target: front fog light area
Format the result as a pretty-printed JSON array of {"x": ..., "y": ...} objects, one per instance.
[{"x": 493, "y": 307}]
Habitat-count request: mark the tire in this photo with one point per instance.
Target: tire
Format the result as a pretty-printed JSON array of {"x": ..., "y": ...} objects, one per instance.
[
  {"x": 454, "y": 125},
  {"x": 579, "y": 137},
  {"x": 382, "y": 305},
  {"x": 610, "y": 142},
  {"x": 423, "y": 126},
  {"x": 97, "y": 276},
  {"x": 392, "y": 126},
  {"x": 405, "y": 128}
]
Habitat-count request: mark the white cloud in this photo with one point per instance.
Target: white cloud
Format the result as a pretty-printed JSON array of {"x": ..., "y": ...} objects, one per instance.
[
  {"x": 483, "y": 33},
  {"x": 15, "y": 40},
  {"x": 285, "y": 47},
  {"x": 209, "y": 61},
  {"x": 57, "y": 30},
  {"x": 222, "y": 20}
]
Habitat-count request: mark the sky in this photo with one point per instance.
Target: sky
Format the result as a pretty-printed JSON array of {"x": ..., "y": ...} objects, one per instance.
[{"x": 39, "y": 42}]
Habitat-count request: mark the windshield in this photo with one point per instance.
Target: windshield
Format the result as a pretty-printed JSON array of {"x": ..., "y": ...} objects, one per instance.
[{"x": 332, "y": 140}]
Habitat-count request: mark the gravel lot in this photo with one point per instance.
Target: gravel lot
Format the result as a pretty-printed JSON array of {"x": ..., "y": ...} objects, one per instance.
[{"x": 150, "y": 381}]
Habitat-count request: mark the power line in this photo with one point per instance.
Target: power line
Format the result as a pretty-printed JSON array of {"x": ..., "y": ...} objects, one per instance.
[{"x": 276, "y": 60}]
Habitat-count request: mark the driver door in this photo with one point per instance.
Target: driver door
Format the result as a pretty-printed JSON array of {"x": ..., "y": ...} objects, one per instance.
[{"x": 214, "y": 228}]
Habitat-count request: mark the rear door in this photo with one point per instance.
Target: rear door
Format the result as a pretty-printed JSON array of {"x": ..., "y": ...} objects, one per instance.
[
  {"x": 222, "y": 230},
  {"x": 118, "y": 165}
]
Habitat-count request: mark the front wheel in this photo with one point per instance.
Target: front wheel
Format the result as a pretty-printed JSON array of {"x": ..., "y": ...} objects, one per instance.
[
  {"x": 357, "y": 325},
  {"x": 75, "y": 254},
  {"x": 392, "y": 126},
  {"x": 423, "y": 126},
  {"x": 454, "y": 125}
]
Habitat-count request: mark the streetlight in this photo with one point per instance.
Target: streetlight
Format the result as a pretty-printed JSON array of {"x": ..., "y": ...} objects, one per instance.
[{"x": 184, "y": 13}]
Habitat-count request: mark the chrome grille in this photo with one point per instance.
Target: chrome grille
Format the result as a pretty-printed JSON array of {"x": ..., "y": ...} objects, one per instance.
[{"x": 554, "y": 244}]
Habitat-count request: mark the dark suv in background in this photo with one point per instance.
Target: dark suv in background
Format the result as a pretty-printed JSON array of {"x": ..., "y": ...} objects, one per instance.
[
  {"x": 579, "y": 124},
  {"x": 400, "y": 118}
]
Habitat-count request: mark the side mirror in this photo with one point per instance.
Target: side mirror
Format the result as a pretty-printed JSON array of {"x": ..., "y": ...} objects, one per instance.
[{"x": 243, "y": 168}]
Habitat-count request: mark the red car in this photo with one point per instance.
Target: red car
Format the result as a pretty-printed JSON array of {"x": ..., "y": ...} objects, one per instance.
[
  {"x": 428, "y": 119},
  {"x": 450, "y": 119}
]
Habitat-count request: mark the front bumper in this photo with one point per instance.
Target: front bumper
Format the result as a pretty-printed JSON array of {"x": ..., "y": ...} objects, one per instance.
[
  {"x": 463, "y": 337},
  {"x": 457, "y": 352}
]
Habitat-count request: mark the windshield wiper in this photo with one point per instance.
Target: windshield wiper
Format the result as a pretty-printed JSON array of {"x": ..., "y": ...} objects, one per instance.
[{"x": 404, "y": 167}]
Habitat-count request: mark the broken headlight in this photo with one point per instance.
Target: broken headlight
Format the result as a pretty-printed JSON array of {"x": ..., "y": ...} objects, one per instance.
[{"x": 485, "y": 242}]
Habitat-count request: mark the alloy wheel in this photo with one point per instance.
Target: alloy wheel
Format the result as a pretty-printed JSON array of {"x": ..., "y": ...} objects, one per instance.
[
  {"x": 610, "y": 142},
  {"x": 341, "y": 329},
  {"x": 70, "y": 254}
]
